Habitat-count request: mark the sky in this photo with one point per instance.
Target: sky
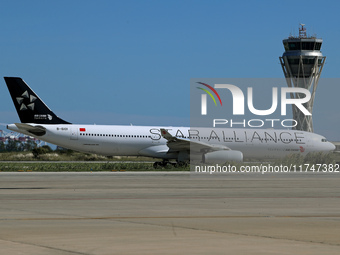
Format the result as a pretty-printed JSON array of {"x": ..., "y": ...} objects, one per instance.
[{"x": 130, "y": 62}]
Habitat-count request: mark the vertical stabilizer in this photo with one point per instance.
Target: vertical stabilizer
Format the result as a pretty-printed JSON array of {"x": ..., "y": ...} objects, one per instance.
[{"x": 30, "y": 108}]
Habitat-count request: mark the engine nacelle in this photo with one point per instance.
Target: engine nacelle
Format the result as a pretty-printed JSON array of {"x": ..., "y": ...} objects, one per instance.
[{"x": 220, "y": 157}]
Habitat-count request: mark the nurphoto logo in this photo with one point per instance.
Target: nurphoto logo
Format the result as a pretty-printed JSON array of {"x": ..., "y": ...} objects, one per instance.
[
  {"x": 238, "y": 99},
  {"x": 217, "y": 91}
]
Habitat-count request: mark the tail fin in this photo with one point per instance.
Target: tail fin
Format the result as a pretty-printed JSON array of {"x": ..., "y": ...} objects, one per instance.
[{"x": 30, "y": 108}]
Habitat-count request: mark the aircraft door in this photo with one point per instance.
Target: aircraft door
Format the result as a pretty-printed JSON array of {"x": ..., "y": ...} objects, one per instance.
[{"x": 74, "y": 133}]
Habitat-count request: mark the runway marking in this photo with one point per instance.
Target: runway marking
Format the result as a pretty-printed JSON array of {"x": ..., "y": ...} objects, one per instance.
[
  {"x": 175, "y": 217},
  {"x": 150, "y": 198},
  {"x": 43, "y": 246}
]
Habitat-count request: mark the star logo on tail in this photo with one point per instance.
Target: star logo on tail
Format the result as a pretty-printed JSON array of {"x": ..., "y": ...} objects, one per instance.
[{"x": 26, "y": 101}]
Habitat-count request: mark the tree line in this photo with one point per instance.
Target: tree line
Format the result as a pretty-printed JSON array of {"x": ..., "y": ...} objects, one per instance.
[{"x": 17, "y": 146}]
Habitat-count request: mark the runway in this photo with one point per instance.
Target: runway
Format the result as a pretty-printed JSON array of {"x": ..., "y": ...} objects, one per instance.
[{"x": 169, "y": 213}]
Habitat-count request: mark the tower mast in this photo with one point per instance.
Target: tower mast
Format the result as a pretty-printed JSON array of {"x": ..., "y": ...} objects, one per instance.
[{"x": 302, "y": 64}]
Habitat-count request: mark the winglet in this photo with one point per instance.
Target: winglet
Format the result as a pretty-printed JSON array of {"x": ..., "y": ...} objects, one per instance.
[{"x": 166, "y": 135}]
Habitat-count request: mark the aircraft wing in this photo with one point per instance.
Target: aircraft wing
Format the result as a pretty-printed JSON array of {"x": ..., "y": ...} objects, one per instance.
[{"x": 184, "y": 144}]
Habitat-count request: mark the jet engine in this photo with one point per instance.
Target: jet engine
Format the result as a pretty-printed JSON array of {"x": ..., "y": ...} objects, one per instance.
[{"x": 222, "y": 156}]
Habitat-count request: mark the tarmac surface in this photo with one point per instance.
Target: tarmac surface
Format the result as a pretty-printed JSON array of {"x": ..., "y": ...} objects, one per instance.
[{"x": 169, "y": 213}]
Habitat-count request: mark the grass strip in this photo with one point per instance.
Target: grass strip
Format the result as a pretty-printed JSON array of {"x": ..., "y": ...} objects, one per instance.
[{"x": 82, "y": 167}]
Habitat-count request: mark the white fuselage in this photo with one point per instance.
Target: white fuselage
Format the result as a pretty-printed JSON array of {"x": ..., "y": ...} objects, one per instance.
[{"x": 147, "y": 140}]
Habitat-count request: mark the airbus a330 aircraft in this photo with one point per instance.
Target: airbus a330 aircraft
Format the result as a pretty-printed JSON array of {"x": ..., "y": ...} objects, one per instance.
[{"x": 208, "y": 145}]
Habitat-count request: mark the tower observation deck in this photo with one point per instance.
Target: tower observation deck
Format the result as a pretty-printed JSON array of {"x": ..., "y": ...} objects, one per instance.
[{"x": 302, "y": 63}]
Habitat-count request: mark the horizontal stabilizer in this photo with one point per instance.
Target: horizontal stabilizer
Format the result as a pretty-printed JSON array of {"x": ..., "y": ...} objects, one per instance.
[{"x": 35, "y": 130}]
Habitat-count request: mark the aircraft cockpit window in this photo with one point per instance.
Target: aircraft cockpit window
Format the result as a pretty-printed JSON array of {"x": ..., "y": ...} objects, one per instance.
[{"x": 323, "y": 140}]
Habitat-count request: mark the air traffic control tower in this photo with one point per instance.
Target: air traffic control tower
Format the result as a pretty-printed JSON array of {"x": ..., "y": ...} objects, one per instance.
[{"x": 302, "y": 63}]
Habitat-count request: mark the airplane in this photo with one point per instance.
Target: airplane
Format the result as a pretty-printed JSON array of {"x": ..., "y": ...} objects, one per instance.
[{"x": 182, "y": 144}]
